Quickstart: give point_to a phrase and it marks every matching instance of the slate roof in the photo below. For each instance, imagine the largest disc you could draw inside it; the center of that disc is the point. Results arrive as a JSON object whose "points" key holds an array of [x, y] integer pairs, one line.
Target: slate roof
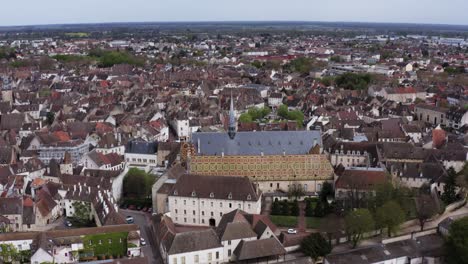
{"points": [[429, 246], [194, 241], [254, 143], [259, 249], [221, 187], [141, 147]]}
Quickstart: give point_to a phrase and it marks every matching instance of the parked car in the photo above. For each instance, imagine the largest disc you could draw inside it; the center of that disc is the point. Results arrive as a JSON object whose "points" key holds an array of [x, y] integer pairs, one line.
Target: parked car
{"points": [[144, 209], [131, 207], [130, 219], [68, 224], [142, 242], [292, 231]]}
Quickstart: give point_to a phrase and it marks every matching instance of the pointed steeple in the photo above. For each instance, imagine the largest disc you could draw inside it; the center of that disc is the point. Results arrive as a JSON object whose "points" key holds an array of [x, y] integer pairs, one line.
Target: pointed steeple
{"points": [[232, 120]]}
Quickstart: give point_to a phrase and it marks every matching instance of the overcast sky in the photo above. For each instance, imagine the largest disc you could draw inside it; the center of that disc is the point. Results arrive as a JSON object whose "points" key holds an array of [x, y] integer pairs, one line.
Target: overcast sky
{"points": [[32, 12]]}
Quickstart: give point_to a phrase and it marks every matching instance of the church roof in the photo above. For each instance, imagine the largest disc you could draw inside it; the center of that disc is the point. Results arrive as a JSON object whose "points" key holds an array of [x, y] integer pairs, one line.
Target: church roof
{"points": [[256, 143]]}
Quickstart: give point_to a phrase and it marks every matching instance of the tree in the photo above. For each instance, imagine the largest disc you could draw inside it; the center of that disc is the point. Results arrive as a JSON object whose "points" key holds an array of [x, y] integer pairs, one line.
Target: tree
{"points": [[295, 191], [276, 208], [315, 246], [331, 225], [353, 81], [285, 209], [319, 210], [456, 244], [82, 211], [295, 208], [245, 118], [357, 223], [9, 252], [425, 209], [309, 210], [390, 216], [50, 117], [283, 111], [326, 191], [137, 184], [449, 196]]}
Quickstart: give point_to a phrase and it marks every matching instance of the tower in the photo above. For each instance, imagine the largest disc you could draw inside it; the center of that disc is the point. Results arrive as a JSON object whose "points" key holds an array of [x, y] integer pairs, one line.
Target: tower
{"points": [[232, 120]]}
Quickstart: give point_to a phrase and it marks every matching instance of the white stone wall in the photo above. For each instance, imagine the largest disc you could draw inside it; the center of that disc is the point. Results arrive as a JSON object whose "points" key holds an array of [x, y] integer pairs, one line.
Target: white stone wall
{"points": [[202, 255], [195, 211]]}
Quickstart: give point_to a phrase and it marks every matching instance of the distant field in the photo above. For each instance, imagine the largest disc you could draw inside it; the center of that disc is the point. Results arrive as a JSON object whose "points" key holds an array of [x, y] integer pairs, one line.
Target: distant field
{"points": [[77, 34]]}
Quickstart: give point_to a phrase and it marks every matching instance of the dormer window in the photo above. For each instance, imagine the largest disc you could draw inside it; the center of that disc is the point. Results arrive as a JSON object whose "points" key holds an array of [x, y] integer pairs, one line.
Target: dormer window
{"points": [[176, 193], [249, 197], [194, 194], [230, 196], [211, 195]]}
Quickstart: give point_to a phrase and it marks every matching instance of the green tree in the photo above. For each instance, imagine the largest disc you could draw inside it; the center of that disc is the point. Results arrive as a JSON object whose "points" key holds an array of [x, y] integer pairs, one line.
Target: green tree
{"points": [[295, 208], [309, 209], [353, 81], [137, 184], [315, 246], [245, 118], [9, 253], [82, 211], [283, 111], [449, 196], [425, 209], [357, 223], [50, 117], [326, 191], [257, 64], [285, 209], [390, 216], [276, 207], [331, 225], [319, 210], [457, 244]]}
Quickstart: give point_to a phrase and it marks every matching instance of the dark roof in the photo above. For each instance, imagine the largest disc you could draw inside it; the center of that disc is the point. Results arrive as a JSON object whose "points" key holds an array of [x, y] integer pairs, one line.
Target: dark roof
{"points": [[429, 246], [259, 249], [216, 187], [254, 143], [360, 179], [11, 206], [194, 241], [141, 147]]}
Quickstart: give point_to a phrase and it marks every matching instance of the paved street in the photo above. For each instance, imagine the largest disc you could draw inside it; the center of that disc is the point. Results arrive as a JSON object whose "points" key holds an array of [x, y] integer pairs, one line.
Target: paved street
{"points": [[143, 221]]}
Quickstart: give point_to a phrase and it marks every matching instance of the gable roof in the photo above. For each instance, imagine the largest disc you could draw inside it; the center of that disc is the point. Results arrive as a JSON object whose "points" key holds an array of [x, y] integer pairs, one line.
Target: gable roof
{"points": [[255, 143], [194, 241], [216, 187]]}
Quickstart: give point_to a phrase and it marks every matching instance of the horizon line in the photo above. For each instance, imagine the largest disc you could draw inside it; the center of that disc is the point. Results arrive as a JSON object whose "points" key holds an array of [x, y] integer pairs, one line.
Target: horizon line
{"points": [[230, 21]]}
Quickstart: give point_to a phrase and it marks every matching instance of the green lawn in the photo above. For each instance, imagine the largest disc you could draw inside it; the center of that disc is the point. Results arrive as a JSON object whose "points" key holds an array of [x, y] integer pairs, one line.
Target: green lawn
{"points": [[284, 221], [313, 222], [114, 244]]}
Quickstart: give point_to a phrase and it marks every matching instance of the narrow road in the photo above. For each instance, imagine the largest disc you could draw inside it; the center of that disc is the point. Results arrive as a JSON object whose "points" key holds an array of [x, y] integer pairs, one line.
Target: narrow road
{"points": [[144, 222]]}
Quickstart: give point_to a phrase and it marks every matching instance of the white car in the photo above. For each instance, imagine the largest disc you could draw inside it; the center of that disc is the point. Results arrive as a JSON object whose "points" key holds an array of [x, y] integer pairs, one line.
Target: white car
{"points": [[142, 242], [292, 231], [130, 219]]}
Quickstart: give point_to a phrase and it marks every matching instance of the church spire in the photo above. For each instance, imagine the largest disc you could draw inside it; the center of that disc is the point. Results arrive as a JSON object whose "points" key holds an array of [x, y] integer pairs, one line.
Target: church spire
{"points": [[232, 120]]}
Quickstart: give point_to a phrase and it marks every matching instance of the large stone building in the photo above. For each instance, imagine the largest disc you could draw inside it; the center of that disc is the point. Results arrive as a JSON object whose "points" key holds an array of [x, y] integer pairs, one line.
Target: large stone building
{"points": [[275, 160], [203, 200]]}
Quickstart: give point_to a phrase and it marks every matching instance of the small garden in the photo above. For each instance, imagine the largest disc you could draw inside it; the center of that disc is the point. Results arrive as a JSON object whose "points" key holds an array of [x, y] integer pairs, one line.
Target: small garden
{"points": [[104, 246]]}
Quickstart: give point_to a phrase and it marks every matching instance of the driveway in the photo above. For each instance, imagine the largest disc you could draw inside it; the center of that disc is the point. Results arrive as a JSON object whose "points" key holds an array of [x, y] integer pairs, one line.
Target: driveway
{"points": [[143, 221]]}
